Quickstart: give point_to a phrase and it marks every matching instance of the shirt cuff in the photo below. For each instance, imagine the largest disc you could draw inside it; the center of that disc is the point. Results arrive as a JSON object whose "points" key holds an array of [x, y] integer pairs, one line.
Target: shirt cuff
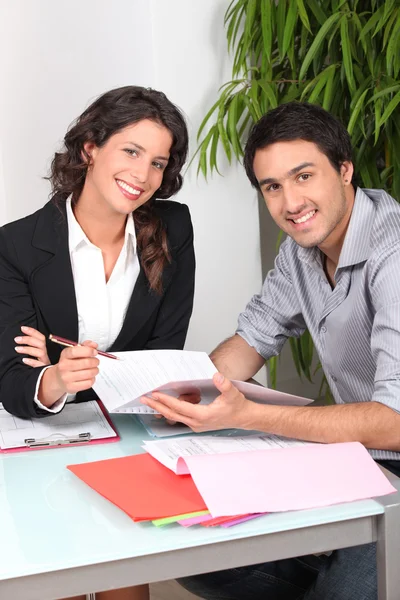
{"points": [[58, 404]]}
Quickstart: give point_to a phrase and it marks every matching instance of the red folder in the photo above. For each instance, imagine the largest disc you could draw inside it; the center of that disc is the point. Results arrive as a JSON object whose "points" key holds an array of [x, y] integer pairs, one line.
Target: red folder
{"points": [[141, 486]]}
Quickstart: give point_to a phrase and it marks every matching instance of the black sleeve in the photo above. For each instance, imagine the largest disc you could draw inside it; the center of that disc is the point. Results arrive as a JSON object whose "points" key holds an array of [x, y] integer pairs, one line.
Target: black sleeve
{"points": [[17, 381], [176, 307]]}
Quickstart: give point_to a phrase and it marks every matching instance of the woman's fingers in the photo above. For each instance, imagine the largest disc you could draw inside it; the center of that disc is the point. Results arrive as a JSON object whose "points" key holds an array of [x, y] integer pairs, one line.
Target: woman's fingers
{"points": [[30, 340], [31, 351], [30, 331], [33, 362], [32, 343]]}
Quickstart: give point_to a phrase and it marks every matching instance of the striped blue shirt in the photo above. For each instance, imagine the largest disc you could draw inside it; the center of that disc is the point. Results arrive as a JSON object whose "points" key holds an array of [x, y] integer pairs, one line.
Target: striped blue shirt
{"points": [[355, 326]]}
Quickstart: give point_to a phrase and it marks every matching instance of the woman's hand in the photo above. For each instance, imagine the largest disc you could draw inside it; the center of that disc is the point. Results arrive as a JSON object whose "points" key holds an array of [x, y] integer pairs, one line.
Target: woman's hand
{"points": [[75, 371], [77, 368], [32, 343]]}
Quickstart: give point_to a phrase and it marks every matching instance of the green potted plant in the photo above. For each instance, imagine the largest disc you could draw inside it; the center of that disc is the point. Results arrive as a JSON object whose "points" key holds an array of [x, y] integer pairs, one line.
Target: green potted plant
{"points": [[341, 54]]}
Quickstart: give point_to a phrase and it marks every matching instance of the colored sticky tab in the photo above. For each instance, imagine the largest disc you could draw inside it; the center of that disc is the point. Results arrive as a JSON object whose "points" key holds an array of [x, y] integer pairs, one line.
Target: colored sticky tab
{"points": [[141, 487], [233, 521], [292, 478], [195, 520], [168, 520]]}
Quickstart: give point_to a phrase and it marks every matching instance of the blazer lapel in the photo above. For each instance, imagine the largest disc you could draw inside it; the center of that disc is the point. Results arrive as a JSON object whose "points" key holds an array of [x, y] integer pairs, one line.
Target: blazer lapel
{"points": [[142, 304], [52, 280]]}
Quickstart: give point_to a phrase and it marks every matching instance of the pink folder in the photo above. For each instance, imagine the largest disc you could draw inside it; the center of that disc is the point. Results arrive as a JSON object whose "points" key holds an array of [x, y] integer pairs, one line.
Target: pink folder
{"points": [[292, 478]]}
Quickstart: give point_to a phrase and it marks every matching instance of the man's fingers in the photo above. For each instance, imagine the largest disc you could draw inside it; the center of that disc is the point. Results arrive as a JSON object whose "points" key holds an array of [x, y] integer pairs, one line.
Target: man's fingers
{"points": [[224, 385], [171, 408], [192, 398]]}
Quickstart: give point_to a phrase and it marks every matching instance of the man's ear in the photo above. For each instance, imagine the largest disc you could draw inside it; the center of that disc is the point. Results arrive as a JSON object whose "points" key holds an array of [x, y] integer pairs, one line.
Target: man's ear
{"points": [[346, 172]]}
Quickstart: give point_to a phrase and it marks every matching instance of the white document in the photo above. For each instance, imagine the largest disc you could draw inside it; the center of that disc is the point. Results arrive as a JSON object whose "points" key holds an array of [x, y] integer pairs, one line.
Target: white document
{"points": [[74, 420], [168, 452], [121, 383]]}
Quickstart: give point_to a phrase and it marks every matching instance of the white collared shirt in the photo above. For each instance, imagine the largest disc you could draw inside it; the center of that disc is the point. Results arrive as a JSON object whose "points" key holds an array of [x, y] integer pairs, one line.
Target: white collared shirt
{"points": [[101, 304]]}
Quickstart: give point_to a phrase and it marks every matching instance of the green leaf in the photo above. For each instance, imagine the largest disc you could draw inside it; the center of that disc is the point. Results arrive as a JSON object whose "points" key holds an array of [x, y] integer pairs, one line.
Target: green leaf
{"points": [[371, 23], [385, 92], [280, 24], [206, 118], [222, 133], [273, 371], [233, 113], [303, 14], [269, 92], [318, 12], [389, 26], [291, 18], [322, 81], [389, 109], [266, 27], [214, 150], [347, 57], [393, 48], [295, 356], [319, 39], [329, 89], [203, 154], [253, 95], [356, 111]]}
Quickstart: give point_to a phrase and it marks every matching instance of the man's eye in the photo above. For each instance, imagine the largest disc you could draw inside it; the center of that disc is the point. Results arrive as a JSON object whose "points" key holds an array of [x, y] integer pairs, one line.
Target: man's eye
{"points": [[304, 176], [273, 187]]}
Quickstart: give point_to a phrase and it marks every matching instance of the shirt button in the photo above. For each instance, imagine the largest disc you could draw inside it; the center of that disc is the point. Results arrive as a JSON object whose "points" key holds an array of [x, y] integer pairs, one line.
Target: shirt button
{"points": [[333, 378], [323, 329]]}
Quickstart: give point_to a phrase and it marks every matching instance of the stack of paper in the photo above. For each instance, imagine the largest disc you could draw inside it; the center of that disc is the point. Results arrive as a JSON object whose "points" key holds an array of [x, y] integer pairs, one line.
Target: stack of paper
{"points": [[225, 481], [121, 383]]}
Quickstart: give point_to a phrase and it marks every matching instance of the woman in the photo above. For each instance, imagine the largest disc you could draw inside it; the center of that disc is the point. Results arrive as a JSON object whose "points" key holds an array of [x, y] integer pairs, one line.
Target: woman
{"points": [[108, 261]]}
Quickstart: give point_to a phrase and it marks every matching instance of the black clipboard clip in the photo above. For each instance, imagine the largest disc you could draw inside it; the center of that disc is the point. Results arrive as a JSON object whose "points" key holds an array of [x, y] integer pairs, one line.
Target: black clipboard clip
{"points": [[57, 439]]}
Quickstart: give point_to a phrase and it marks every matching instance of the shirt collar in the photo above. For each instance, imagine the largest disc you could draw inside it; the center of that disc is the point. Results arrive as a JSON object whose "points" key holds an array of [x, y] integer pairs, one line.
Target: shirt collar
{"points": [[356, 248], [76, 235]]}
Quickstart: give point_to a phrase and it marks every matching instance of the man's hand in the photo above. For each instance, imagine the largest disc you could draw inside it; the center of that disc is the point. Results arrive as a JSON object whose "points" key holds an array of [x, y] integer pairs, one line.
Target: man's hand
{"points": [[229, 410]]}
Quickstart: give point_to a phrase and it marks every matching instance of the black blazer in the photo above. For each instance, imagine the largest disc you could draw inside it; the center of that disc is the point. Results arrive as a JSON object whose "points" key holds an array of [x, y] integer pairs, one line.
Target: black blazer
{"points": [[37, 290]]}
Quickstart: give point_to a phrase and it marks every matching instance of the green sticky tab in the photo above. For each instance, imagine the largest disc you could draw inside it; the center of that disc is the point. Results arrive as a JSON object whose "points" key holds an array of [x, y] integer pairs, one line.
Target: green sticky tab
{"points": [[167, 520]]}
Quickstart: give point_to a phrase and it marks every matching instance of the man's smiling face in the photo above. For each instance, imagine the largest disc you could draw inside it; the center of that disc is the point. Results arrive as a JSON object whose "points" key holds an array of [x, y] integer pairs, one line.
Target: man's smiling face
{"points": [[304, 193]]}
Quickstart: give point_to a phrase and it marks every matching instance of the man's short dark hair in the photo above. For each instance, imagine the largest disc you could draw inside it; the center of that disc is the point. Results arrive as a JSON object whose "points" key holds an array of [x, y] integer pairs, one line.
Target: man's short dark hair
{"points": [[299, 121]]}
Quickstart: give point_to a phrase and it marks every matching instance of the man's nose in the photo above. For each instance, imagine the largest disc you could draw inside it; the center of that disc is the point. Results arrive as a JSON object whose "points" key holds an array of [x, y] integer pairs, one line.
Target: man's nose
{"points": [[294, 203]]}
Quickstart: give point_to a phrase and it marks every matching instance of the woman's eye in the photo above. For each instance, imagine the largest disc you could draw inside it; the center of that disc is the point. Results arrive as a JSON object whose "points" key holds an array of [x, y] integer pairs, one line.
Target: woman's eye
{"points": [[131, 151], [158, 165]]}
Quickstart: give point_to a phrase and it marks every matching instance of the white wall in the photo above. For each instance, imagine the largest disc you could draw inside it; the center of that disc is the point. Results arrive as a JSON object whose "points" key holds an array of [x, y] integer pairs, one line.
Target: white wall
{"points": [[55, 58], [190, 65]]}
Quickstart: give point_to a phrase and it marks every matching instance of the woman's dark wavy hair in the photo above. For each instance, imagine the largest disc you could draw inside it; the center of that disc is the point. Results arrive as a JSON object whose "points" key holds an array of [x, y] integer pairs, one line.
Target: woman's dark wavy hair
{"points": [[107, 115], [299, 121]]}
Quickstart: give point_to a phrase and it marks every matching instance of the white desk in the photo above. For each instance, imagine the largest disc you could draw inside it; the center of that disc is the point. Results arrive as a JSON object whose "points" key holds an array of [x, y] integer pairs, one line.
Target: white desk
{"points": [[59, 538]]}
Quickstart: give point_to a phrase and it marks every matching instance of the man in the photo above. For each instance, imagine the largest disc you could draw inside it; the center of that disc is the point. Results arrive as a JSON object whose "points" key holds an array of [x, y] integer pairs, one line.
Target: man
{"points": [[337, 275]]}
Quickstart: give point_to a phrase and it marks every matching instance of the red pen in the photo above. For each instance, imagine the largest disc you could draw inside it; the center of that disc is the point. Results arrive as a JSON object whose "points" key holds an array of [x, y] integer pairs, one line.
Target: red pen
{"points": [[63, 342]]}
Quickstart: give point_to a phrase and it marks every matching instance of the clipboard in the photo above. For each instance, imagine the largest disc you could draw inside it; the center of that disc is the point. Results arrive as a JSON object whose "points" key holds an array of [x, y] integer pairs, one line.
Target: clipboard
{"points": [[79, 434]]}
